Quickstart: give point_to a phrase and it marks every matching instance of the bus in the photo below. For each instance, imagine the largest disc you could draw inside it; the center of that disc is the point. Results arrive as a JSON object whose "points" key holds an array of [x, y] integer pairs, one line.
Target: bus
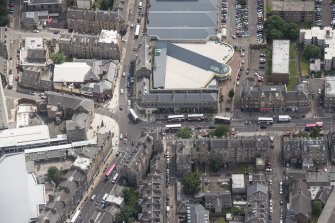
{"points": [[137, 31], [195, 117], [265, 120], [310, 126], [115, 178], [176, 118], [110, 171], [75, 218], [133, 115], [172, 128], [222, 119]]}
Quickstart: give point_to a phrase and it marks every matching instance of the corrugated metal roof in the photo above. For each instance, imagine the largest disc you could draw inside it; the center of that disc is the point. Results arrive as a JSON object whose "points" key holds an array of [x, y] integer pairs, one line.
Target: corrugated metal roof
{"points": [[182, 20]]}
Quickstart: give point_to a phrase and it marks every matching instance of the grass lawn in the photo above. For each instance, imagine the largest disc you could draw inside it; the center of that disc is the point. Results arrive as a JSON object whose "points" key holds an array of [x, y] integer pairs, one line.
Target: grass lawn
{"points": [[96, 4], [242, 167], [304, 66], [220, 220], [292, 83]]}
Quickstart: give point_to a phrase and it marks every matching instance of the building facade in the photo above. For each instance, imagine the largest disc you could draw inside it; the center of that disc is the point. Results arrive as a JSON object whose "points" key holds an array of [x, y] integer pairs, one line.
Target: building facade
{"points": [[106, 45], [329, 94], [274, 98], [295, 11], [87, 21], [323, 38], [280, 61], [54, 6], [228, 151], [135, 169], [305, 152]]}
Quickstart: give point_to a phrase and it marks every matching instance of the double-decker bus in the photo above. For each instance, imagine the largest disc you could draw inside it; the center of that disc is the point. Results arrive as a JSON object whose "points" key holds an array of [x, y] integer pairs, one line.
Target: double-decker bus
{"points": [[310, 126], [195, 117], [133, 115], [171, 128], [176, 118], [110, 171], [266, 120], [222, 119]]}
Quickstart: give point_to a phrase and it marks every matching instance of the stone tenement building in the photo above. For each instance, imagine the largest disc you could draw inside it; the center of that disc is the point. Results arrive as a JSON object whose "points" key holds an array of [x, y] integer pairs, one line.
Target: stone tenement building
{"points": [[92, 22], [227, 151]]}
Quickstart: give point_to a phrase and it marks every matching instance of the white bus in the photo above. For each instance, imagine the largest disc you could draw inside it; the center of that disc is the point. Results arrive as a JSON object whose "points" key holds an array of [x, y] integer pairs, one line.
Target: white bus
{"points": [[195, 117], [265, 120], [176, 118], [222, 119], [115, 178], [174, 127], [75, 217], [137, 31], [284, 118], [133, 115]]}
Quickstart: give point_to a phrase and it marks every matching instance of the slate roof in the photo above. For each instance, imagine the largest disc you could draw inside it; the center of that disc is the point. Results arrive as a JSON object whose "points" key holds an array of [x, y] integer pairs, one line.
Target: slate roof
{"points": [[31, 75], [180, 97], [182, 20], [300, 199], [30, 17], [36, 54], [257, 187], [70, 102]]}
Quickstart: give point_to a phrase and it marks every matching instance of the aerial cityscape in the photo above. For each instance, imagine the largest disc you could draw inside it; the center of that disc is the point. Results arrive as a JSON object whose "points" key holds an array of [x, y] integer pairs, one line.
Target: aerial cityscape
{"points": [[160, 111]]}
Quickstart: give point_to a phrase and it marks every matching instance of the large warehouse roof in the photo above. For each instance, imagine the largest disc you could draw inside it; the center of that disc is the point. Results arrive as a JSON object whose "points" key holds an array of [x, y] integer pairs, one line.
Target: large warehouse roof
{"points": [[75, 72], [182, 20], [280, 56]]}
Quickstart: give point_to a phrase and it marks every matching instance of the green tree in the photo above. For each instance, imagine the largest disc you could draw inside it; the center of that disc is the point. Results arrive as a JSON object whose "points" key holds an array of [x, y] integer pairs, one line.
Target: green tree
{"points": [[316, 208], [221, 130], [274, 34], [231, 93], [106, 4], [54, 174], [312, 51], [215, 165], [184, 133], [303, 134], [58, 58], [315, 132], [191, 183], [274, 22], [242, 2], [4, 19], [292, 31], [221, 98]]}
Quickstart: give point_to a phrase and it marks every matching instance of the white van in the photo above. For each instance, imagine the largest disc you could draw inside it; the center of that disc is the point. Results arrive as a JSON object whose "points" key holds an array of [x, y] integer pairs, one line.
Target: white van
{"points": [[121, 91], [93, 197], [140, 5]]}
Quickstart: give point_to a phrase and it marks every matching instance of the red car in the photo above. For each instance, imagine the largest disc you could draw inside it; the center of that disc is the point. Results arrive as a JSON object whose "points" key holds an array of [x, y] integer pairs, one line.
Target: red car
{"points": [[17, 78], [238, 78], [17, 66], [126, 135]]}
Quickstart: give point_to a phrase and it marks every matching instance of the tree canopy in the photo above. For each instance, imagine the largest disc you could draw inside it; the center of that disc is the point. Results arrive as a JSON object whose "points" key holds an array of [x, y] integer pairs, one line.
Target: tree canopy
{"points": [[215, 165], [4, 19], [191, 183], [54, 174], [58, 58], [315, 132], [184, 133], [312, 51], [221, 130], [277, 28], [231, 93], [106, 4], [316, 208], [130, 210]]}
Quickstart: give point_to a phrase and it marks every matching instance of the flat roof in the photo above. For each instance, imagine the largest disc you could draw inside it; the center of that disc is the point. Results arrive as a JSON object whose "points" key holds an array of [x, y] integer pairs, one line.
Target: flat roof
{"points": [[34, 43], [23, 136], [189, 66], [280, 56], [71, 72], [330, 86], [182, 20], [237, 181], [14, 198], [293, 6]]}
